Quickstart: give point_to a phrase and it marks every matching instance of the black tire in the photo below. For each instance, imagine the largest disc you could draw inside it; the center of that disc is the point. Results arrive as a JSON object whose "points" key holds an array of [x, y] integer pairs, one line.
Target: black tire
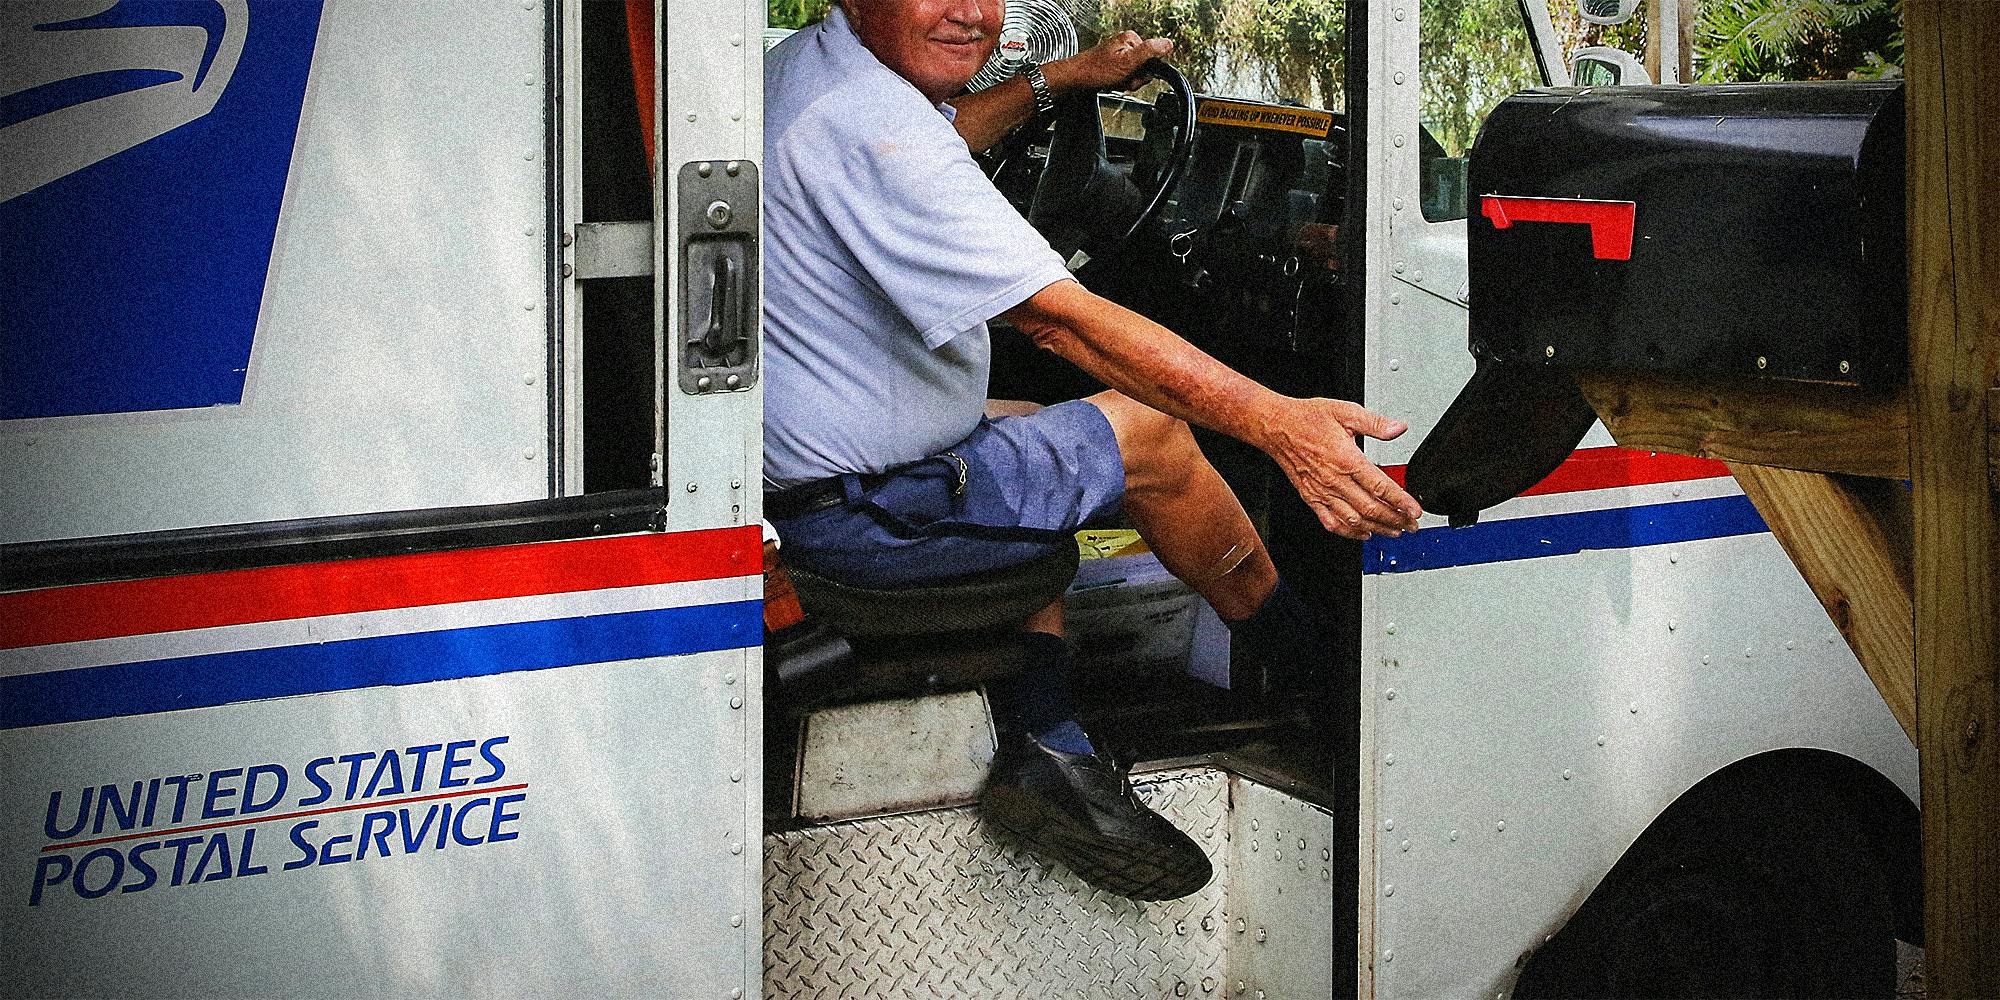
{"points": [[1754, 890]]}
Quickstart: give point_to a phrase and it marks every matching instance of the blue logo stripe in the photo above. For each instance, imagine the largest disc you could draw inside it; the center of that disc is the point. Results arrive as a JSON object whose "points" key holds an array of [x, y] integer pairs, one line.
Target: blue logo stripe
{"points": [[248, 675], [1563, 534]]}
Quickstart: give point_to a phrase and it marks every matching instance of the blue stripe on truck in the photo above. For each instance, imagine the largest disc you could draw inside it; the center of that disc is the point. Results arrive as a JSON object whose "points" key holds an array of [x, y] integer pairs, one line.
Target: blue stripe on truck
{"points": [[414, 658], [1563, 534]]}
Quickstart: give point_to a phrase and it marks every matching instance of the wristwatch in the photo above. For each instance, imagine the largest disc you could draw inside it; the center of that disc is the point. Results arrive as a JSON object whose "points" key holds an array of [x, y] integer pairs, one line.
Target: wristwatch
{"points": [[1045, 99]]}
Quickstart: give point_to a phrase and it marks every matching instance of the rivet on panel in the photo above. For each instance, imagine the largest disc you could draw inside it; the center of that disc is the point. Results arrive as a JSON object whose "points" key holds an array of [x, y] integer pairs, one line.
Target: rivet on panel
{"points": [[1567, 774], [1389, 760], [528, 379], [1256, 825], [735, 703], [736, 776], [1262, 934], [1395, 364], [1395, 298], [1390, 694], [1400, 77], [1302, 844], [1672, 625], [694, 487], [1600, 739], [1843, 367], [736, 484], [528, 454], [733, 167], [733, 381], [1389, 890], [1399, 13], [1762, 363], [691, 116], [1399, 204], [1399, 267], [704, 169], [1452, 836], [1389, 825], [1549, 351], [1388, 954], [736, 39], [736, 848], [729, 678], [736, 116], [1418, 276], [1391, 629], [1404, 846], [736, 994], [1399, 142], [528, 156], [1501, 826], [736, 920]]}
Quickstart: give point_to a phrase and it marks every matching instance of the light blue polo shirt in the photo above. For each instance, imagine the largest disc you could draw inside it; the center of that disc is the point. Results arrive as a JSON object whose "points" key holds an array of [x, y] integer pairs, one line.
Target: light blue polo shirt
{"points": [[886, 250]]}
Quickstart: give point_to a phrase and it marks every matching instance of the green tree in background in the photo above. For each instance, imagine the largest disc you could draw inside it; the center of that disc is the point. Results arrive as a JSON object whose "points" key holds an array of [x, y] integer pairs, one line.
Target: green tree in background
{"points": [[1472, 55], [796, 13], [1742, 40]]}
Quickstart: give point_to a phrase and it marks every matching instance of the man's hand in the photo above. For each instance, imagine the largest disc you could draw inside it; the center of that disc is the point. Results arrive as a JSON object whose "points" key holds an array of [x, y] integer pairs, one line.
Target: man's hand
{"points": [[1313, 441], [1112, 64]]}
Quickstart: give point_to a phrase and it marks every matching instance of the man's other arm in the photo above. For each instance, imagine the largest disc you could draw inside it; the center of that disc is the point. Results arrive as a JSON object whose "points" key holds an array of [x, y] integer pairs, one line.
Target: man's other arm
{"points": [[986, 117], [1311, 439]]}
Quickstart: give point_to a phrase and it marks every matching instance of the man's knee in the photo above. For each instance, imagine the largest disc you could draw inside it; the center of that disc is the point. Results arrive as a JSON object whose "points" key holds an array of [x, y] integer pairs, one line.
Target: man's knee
{"points": [[1152, 444]]}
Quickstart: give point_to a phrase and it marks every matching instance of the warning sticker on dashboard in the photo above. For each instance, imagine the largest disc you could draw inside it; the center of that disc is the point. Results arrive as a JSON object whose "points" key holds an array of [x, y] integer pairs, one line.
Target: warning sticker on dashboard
{"points": [[1304, 121]]}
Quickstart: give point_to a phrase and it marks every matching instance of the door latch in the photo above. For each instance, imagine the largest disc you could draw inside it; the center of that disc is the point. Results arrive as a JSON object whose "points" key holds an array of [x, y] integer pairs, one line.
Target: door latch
{"points": [[719, 272]]}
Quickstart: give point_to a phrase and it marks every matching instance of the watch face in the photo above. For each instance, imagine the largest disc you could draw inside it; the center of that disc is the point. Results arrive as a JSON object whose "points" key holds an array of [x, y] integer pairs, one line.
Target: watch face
{"points": [[1013, 49]]}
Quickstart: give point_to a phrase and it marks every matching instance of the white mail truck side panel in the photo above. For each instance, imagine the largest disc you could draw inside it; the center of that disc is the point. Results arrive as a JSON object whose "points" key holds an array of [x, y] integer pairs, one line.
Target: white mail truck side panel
{"points": [[326, 294], [1540, 687], [565, 853]]}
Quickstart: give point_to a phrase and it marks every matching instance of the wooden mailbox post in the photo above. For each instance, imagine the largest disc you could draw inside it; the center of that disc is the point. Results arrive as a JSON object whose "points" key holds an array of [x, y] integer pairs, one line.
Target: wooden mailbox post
{"points": [[1907, 574]]}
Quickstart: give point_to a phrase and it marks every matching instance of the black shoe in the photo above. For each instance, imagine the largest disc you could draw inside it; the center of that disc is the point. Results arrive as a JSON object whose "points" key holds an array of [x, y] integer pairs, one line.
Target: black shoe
{"points": [[1080, 809]]}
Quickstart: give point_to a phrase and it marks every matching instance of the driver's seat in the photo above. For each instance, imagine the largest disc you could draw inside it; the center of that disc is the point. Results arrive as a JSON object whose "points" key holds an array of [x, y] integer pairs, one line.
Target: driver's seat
{"points": [[865, 643]]}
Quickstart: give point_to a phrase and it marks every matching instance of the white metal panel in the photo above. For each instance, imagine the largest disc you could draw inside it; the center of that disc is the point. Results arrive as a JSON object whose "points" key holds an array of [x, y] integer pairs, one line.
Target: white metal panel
{"points": [[634, 872], [1528, 736], [401, 349], [712, 101], [1484, 684]]}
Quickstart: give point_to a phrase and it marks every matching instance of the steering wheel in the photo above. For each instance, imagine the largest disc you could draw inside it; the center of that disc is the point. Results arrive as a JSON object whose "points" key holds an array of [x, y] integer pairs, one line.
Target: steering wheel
{"points": [[1081, 201]]}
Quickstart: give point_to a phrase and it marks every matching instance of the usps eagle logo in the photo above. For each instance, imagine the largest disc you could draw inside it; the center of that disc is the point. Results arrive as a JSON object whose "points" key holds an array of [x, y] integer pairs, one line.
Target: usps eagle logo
{"points": [[88, 79]]}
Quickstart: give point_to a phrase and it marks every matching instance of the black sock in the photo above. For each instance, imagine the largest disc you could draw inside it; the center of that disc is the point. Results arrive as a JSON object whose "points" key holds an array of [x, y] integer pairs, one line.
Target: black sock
{"points": [[1279, 641], [1038, 700]]}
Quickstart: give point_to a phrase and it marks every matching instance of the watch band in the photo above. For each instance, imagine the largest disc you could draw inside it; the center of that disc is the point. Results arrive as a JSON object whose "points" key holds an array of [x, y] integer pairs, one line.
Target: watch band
{"points": [[1045, 99]]}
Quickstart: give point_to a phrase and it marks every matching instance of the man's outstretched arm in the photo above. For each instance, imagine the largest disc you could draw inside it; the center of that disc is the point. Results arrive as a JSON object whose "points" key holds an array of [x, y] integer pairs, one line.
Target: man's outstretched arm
{"points": [[1311, 439], [986, 117]]}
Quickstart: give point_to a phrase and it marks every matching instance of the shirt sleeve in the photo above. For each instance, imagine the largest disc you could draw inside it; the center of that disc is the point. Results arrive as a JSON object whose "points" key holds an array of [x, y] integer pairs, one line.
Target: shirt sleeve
{"points": [[910, 204]]}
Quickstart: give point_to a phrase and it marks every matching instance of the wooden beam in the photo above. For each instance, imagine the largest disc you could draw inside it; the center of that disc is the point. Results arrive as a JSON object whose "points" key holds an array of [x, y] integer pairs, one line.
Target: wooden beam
{"points": [[1850, 539], [1791, 425], [1953, 65]]}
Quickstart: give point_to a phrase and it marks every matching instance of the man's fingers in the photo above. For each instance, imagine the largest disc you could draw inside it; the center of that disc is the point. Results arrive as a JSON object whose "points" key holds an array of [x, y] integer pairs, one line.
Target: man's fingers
{"points": [[1379, 485], [1336, 516], [1158, 47]]}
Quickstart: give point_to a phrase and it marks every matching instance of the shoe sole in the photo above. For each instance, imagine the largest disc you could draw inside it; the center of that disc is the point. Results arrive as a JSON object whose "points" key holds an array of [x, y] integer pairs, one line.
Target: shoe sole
{"points": [[1141, 871]]}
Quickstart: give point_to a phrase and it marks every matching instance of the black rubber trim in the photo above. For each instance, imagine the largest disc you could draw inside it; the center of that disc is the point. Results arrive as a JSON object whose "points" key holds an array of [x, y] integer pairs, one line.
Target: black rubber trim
{"points": [[33, 565]]}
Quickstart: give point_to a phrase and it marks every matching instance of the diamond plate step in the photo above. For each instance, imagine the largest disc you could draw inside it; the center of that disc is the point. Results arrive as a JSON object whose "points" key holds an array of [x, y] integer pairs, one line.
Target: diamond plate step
{"points": [[928, 905]]}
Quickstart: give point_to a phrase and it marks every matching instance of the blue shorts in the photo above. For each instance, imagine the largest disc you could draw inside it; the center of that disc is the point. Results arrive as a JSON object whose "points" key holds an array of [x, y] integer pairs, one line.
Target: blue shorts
{"points": [[1029, 483]]}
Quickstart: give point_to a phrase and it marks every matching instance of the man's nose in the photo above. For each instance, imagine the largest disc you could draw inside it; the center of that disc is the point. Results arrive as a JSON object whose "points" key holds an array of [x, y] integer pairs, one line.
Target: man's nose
{"points": [[971, 12]]}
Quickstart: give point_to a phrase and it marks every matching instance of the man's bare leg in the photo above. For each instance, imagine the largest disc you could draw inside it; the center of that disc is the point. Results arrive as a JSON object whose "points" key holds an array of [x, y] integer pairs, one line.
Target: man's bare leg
{"points": [[1185, 511]]}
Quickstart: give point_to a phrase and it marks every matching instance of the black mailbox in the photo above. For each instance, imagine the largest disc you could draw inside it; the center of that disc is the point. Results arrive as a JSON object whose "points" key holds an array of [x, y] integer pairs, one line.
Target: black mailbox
{"points": [[1751, 229]]}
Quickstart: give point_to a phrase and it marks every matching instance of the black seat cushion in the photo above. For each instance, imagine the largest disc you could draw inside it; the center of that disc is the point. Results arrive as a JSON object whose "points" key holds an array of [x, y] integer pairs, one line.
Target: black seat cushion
{"points": [[996, 599]]}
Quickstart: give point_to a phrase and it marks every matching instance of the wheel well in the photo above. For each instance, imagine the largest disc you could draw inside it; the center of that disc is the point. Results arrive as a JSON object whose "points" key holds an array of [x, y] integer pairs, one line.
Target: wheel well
{"points": [[1884, 812], [1786, 808]]}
